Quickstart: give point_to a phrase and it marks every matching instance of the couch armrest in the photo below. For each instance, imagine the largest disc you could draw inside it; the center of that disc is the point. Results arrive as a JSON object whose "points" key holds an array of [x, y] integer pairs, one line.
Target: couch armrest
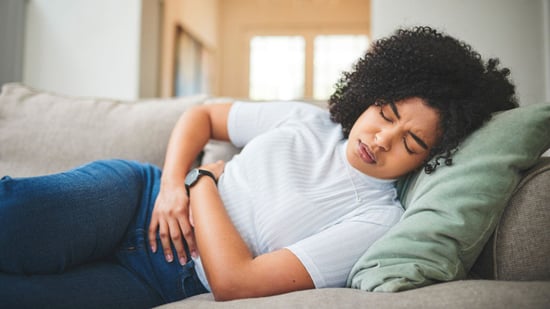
{"points": [[519, 247]]}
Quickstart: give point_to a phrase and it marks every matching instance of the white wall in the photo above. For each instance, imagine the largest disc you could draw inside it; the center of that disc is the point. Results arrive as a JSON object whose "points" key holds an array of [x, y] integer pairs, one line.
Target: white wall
{"points": [[514, 31], [83, 47]]}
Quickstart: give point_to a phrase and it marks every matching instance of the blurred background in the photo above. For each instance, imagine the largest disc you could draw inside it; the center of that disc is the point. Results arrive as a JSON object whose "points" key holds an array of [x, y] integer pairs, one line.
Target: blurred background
{"points": [[258, 49]]}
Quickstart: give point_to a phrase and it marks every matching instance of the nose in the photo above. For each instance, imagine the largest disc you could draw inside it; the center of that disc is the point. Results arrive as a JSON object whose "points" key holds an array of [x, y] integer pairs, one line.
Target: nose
{"points": [[384, 139]]}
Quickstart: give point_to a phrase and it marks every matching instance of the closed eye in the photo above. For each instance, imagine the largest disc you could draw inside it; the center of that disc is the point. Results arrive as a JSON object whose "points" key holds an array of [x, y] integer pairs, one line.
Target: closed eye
{"points": [[384, 115], [386, 118], [407, 146]]}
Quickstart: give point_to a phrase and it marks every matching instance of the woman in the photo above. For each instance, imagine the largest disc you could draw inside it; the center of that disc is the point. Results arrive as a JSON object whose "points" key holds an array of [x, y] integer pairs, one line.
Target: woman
{"points": [[309, 193]]}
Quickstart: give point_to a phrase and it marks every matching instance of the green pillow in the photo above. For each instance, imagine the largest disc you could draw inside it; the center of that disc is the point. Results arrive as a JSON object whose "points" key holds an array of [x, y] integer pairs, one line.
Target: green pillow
{"points": [[451, 213]]}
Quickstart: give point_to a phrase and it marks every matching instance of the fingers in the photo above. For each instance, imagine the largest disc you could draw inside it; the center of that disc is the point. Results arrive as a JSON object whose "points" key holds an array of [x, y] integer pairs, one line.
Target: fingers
{"points": [[171, 234], [164, 234], [153, 227], [191, 221], [176, 239], [172, 231], [189, 235]]}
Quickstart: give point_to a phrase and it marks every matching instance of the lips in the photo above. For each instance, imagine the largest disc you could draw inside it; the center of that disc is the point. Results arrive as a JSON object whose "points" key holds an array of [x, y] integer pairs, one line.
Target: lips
{"points": [[365, 153]]}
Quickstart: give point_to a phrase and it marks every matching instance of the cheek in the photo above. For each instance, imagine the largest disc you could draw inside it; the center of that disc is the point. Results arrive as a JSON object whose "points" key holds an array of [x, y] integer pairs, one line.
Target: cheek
{"points": [[419, 161], [411, 162], [367, 122]]}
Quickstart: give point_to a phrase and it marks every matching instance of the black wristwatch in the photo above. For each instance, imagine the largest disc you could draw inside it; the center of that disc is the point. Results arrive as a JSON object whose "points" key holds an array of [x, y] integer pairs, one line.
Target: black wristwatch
{"points": [[194, 175]]}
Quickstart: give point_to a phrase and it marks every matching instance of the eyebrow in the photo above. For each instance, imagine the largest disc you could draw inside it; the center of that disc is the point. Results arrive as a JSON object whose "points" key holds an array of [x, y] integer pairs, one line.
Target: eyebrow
{"points": [[419, 141], [414, 136], [394, 109]]}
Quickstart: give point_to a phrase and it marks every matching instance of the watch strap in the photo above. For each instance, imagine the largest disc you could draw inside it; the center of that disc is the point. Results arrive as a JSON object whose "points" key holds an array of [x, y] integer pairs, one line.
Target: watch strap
{"points": [[194, 175], [207, 173]]}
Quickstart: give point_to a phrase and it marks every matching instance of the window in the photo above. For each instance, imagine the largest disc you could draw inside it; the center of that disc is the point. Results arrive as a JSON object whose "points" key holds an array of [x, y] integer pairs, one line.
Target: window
{"points": [[284, 68], [277, 67]]}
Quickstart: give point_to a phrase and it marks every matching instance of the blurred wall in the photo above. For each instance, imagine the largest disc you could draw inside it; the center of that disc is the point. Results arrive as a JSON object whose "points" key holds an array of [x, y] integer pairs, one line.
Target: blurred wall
{"points": [[92, 48], [515, 31], [112, 48]]}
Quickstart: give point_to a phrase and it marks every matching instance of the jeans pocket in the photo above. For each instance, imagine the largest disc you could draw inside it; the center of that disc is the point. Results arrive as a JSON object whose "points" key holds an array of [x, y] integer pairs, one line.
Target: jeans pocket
{"points": [[189, 282], [134, 240]]}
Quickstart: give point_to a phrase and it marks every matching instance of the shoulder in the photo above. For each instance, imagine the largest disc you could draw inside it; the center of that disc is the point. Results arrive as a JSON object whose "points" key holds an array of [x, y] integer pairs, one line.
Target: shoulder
{"points": [[282, 113], [283, 107]]}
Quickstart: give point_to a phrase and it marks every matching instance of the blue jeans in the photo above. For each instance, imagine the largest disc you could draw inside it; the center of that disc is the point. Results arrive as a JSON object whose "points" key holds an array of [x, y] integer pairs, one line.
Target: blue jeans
{"points": [[78, 239]]}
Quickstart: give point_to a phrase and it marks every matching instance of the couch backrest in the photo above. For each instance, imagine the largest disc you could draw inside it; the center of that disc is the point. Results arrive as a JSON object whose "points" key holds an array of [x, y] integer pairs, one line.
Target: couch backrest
{"points": [[43, 132]]}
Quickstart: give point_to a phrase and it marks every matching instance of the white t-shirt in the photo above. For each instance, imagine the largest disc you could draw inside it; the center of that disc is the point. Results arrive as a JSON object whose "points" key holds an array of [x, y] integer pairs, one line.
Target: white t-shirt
{"points": [[292, 187]]}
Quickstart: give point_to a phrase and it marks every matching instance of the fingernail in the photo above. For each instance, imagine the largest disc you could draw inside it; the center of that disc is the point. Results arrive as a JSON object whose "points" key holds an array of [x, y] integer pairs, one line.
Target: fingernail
{"points": [[153, 249], [182, 261], [194, 254], [169, 258]]}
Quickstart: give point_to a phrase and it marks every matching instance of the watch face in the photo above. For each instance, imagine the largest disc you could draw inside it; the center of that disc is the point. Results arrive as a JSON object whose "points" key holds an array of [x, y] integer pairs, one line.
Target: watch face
{"points": [[192, 177]]}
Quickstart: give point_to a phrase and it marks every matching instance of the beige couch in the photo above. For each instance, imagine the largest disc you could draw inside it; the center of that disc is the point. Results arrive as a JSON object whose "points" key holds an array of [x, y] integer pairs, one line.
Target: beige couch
{"points": [[42, 132]]}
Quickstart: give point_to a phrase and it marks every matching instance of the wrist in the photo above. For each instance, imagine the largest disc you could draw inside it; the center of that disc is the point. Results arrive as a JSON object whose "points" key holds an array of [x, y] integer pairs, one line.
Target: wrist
{"points": [[171, 181], [172, 186], [202, 193], [196, 175], [204, 183]]}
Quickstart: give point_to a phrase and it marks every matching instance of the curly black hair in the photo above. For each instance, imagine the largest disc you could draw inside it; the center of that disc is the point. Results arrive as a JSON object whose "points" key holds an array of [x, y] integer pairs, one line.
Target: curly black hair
{"points": [[443, 71]]}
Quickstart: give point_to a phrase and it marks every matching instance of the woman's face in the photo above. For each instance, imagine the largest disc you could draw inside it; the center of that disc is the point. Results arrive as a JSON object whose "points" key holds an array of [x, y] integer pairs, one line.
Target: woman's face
{"points": [[391, 140]]}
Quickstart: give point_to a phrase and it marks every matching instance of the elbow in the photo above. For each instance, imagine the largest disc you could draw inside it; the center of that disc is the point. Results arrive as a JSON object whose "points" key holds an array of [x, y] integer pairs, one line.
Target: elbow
{"points": [[230, 290], [230, 282], [225, 292], [222, 298]]}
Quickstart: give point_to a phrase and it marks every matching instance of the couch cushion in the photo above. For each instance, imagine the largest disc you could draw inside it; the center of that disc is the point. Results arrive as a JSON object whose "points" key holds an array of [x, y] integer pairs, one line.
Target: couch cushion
{"points": [[459, 294], [43, 132], [451, 214]]}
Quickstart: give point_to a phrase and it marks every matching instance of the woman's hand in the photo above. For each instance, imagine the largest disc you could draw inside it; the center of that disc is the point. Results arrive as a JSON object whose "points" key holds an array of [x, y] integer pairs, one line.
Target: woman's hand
{"points": [[171, 219]]}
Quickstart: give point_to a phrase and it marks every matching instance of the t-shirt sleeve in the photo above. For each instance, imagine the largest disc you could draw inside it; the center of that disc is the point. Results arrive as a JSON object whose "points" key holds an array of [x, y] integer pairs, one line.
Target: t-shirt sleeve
{"points": [[247, 120], [329, 255]]}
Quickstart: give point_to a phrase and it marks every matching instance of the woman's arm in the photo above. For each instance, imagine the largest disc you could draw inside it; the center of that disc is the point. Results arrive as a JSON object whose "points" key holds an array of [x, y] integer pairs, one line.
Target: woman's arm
{"points": [[231, 269], [171, 213]]}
